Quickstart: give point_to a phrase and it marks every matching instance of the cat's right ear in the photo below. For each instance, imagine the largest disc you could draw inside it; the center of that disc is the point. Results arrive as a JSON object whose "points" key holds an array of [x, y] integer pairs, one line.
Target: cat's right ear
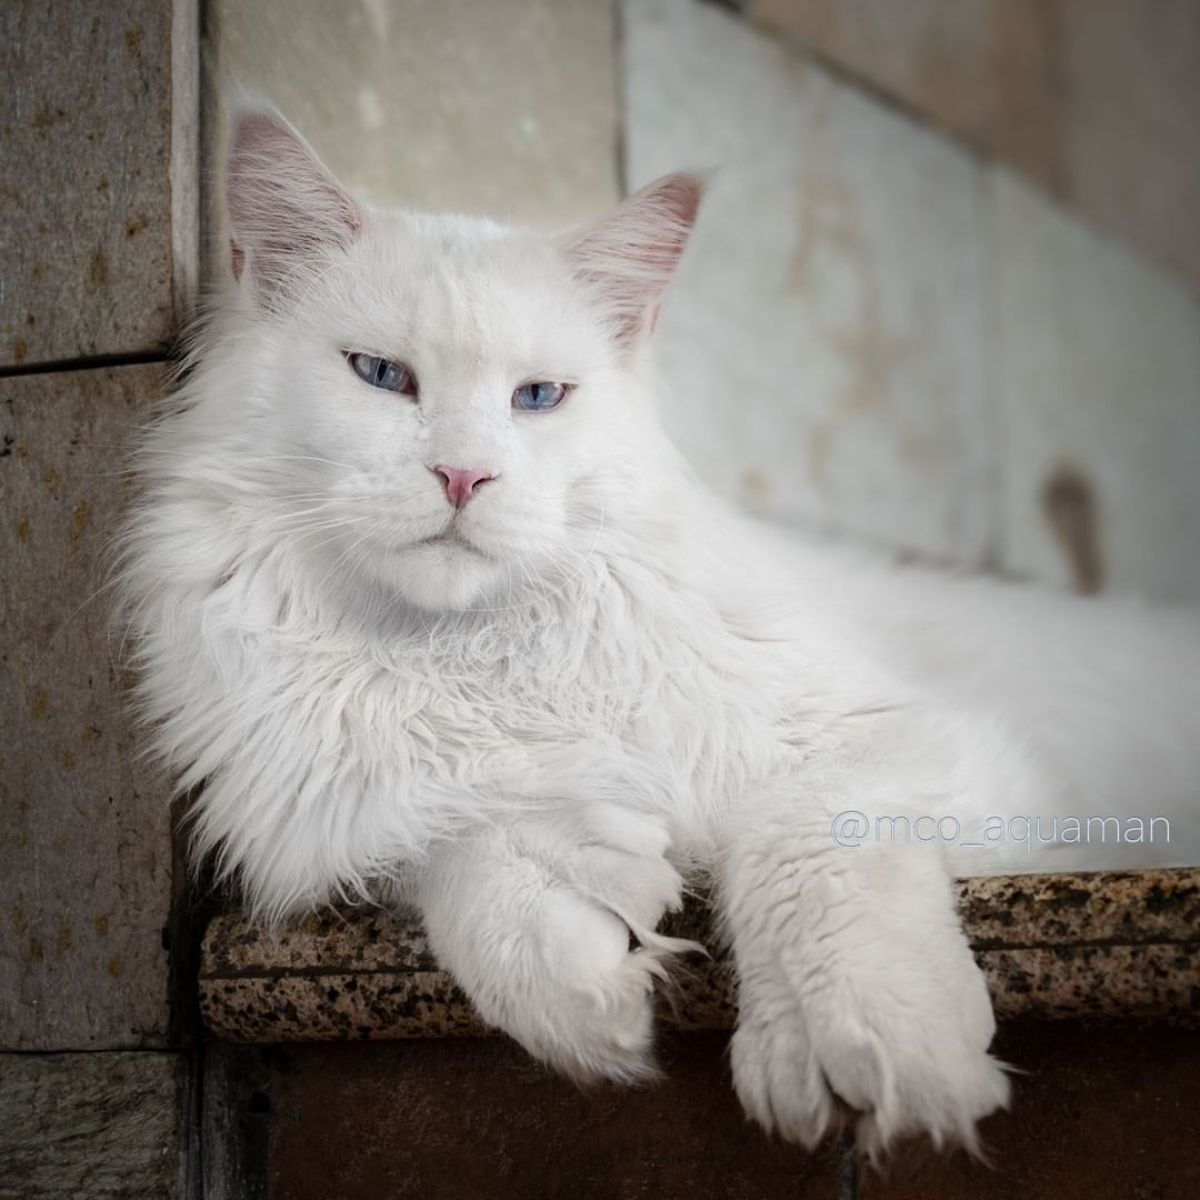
{"points": [[285, 207], [626, 259]]}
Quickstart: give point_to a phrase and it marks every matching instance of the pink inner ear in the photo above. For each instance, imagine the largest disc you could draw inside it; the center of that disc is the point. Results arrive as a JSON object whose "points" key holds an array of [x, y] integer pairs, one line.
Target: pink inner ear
{"points": [[284, 205], [679, 196], [627, 259]]}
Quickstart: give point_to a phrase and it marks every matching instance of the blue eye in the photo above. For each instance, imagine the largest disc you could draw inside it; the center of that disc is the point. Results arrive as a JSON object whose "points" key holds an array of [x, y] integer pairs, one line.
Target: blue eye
{"points": [[384, 373], [538, 397]]}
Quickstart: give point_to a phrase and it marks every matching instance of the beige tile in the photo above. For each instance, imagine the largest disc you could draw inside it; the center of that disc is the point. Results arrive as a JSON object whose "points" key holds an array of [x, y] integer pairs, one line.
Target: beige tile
{"points": [[931, 54], [1094, 100], [85, 860], [824, 341], [1130, 104], [92, 1126], [985, 70], [500, 107], [1099, 382], [1024, 126], [85, 197]]}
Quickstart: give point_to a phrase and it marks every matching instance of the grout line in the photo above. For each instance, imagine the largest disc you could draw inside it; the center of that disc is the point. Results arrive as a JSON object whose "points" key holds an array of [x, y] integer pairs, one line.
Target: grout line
{"points": [[334, 970], [848, 1165], [193, 903], [95, 1051], [184, 162], [620, 100], [97, 362], [339, 970], [193, 1128]]}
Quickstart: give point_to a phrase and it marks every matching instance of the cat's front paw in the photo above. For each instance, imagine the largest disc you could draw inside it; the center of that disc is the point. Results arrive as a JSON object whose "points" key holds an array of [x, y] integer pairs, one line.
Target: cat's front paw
{"points": [[587, 1004], [590, 1014], [897, 1033], [549, 928]]}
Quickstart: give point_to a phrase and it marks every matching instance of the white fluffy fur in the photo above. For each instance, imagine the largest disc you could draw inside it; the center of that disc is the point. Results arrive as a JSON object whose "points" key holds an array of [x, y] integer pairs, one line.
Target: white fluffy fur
{"points": [[534, 735]]}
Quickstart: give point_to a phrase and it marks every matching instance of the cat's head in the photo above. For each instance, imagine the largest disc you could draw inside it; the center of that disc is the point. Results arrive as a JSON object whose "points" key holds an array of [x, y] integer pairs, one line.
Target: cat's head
{"points": [[443, 406]]}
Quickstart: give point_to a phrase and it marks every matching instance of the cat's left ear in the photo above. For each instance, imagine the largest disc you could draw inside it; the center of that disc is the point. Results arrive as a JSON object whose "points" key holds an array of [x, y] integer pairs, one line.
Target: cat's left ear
{"points": [[285, 207], [627, 259]]}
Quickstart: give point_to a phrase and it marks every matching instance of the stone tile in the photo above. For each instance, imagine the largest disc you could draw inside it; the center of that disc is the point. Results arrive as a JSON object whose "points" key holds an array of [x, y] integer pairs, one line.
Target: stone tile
{"points": [[932, 54], [478, 1119], [92, 1126], [984, 70], [1028, 93], [500, 107], [85, 194], [1097, 1112], [1098, 390], [85, 861], [824, 340], [1130, 95], [1091, 99], [234, 1122]]}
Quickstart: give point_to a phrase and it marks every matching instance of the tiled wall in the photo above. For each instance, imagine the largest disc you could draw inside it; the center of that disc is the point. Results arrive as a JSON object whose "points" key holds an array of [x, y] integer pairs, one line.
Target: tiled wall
{"points": [[880, 332], [97, 259], [825, 344], [1092, 100], [1095, 355]]}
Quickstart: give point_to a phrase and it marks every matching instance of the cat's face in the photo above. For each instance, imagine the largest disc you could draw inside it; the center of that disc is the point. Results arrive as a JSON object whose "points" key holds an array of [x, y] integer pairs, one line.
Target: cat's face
{"points": [[459, 403]]}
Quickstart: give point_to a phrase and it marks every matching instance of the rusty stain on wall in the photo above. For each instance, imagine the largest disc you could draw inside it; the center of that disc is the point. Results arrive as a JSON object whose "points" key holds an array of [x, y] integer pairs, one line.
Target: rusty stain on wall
{"points": [[39, 704], [758, 487], [81, 519], [1069, 503], [870, 352], [98, 271], [817, 449]]}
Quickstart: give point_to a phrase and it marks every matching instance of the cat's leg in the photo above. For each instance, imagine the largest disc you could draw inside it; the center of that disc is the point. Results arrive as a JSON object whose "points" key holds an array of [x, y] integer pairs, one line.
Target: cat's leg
{"points": [[534, 919], [856, 980]]}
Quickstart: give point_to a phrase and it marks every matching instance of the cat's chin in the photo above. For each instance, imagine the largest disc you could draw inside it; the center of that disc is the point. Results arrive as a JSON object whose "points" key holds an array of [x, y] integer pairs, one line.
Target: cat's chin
{"points": [[441, 577]]}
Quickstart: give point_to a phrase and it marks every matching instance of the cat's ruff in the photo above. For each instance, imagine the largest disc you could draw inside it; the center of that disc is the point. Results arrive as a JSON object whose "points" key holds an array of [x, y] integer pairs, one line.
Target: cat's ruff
{"points": [[533, 711]]}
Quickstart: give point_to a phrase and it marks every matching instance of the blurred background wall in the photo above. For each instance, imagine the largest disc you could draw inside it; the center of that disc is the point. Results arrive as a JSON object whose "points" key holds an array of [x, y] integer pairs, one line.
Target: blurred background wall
{"points": [[943, 295]]}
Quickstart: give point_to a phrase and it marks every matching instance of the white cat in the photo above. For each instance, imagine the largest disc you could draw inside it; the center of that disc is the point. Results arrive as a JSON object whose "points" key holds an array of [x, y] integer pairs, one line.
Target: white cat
{"points": [[424, 597]]}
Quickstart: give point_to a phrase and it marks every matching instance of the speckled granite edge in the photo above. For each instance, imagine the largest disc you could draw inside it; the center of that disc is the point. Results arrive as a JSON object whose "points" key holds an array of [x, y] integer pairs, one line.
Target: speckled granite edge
{"points": [[1108, 944], [1117, 907]]}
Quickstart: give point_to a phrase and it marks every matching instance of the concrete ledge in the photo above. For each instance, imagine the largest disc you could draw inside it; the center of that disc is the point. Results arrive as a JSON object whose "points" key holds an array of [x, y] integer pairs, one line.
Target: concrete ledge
{"points": [[1115, 945]]}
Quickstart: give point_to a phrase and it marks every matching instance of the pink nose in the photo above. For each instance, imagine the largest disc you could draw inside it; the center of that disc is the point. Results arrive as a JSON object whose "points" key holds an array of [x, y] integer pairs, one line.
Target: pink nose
{"points": [[460, 482]]}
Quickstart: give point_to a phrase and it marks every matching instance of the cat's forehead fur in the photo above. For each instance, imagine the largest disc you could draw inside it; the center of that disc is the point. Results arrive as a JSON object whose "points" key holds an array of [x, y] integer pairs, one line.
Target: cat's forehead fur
{"points": [[294, 222], [457, 290]]}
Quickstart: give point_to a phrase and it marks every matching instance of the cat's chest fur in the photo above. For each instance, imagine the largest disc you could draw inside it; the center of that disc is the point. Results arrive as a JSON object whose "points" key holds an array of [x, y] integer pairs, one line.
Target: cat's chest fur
{"points": [[333, 750], [651, 674]]}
